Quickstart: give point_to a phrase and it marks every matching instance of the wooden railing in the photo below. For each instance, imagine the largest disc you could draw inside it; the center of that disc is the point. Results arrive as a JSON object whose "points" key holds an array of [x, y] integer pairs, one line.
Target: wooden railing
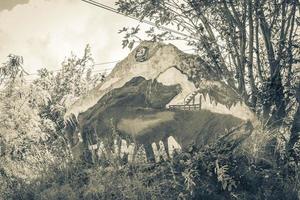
{"points": [[185, 107], [189, 103]]}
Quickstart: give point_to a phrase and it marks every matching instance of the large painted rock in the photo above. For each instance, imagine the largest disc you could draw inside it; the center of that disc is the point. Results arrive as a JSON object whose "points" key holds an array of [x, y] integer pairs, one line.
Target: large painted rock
{"points": [[132, 122], [151, 107]]}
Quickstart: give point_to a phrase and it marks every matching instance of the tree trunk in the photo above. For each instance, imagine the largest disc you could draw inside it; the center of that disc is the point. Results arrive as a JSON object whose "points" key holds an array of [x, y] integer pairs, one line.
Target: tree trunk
{"points": [[275, 86], [250, 63], [278, 98], [258, 61], [295, 130]]}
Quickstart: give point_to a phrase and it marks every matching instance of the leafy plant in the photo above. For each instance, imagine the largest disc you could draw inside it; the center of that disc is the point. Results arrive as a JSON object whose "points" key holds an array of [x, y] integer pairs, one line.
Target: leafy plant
{"points": [[227, 182]]}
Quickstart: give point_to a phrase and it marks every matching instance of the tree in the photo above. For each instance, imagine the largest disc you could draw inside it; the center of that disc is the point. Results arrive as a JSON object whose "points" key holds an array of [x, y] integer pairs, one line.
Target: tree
{"points": [[17, 116], [31, 115], [63, 88], [252, 44], [20, 125]]}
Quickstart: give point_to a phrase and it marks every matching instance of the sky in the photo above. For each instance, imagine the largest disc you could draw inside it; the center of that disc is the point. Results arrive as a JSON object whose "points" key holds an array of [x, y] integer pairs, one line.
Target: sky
{"points": [[44, 32]]}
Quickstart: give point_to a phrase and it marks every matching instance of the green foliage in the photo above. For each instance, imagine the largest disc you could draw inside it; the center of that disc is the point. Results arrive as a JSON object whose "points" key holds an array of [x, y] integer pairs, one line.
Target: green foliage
{"points": [[12, 69], [227, 182], [20, 130], [63, 88], [214, 172], [31, 115]]}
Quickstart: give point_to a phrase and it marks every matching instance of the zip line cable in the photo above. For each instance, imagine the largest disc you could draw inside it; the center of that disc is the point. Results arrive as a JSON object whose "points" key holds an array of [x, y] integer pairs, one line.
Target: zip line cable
{"points": [[108, 8], [96, 64], [97, 70], [94, 70], [104, 63]]}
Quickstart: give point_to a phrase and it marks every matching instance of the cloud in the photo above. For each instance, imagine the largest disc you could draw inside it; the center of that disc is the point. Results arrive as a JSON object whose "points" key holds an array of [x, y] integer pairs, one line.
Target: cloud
{"points": [[10, 4], [45, 32]]}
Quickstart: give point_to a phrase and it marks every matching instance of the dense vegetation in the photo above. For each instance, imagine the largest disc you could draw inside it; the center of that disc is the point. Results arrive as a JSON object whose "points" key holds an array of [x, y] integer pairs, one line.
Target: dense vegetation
{"points": [[214, 172], [31, 119]]}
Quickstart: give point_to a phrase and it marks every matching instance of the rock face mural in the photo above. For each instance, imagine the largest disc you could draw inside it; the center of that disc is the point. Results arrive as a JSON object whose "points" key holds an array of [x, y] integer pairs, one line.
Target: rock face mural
{"points": [[148, 109]]}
